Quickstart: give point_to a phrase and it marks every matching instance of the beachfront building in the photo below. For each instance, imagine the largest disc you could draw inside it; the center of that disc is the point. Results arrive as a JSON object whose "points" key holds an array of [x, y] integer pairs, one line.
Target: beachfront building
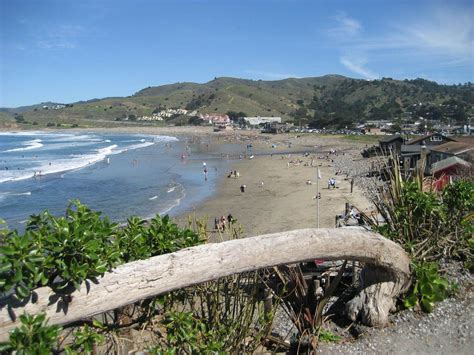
{"points": [[153, 117], [163, 114], [215, 120], [255, 121], [462, 150], [418, 149], [391, 144]]}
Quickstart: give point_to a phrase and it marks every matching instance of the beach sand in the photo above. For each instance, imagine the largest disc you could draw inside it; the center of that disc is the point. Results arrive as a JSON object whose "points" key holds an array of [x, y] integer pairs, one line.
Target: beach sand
{"points": [[285, 201]]}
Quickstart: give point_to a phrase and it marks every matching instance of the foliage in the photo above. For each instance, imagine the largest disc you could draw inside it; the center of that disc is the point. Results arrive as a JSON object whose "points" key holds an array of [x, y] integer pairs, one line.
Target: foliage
{"points": [[85, 340], [234, 116], [21, 265], [429, 225], [33, 336], [299, 302], [327, 336], [227, 316], [429, 287], [226, 313], [76, 247], [188, 334], [63, 252], [140, 241]]}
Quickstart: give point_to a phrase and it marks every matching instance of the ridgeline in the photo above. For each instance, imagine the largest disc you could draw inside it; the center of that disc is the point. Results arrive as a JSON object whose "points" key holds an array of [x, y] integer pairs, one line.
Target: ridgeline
{"points": [[330, 100]]}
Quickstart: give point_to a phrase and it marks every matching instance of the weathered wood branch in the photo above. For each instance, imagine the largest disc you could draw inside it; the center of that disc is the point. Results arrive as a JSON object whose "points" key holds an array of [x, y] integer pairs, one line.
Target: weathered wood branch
{"points": [[146, 278]]}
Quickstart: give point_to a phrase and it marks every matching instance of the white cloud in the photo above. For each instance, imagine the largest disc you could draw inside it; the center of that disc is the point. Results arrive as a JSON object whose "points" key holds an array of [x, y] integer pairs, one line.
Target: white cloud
{"points": [[440, 38], [358, 66], [55, 44], [61, 37], [447, 33], [344, 26]]}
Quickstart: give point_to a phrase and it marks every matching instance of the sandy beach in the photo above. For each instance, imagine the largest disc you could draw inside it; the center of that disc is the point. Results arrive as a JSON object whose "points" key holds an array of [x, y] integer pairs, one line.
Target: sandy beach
{"points": [[280, 179], [281, 183]]}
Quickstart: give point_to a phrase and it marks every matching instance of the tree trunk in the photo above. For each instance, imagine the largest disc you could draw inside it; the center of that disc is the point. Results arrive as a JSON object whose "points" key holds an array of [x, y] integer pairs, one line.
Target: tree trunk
{"points": [[377, 294], [143, 279]]}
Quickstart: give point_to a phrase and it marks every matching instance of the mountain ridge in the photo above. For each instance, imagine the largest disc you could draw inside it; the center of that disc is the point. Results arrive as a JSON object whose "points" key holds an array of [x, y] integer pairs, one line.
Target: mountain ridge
{"points": [[325, 98]]}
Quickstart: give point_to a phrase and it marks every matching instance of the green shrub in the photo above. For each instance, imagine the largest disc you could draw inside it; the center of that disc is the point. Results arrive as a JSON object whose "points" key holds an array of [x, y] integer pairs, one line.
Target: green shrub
{"points": [[21, 265], [63, 252], [33, 336], [85, 340], [429, 287], [428, 224], [141, 240], [187, 334], [76, 247]]}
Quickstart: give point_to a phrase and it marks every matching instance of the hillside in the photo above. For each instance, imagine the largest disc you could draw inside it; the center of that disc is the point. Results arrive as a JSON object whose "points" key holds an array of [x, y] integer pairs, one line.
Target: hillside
{"points": [[330, 100]]}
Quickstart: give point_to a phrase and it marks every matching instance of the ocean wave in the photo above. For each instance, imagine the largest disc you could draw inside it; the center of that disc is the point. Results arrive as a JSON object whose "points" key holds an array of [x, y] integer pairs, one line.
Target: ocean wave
{"points": [[165, 139], [136, 146], [176, 202], [4, 195], [29, 145], [153, 198], [76, 162]]}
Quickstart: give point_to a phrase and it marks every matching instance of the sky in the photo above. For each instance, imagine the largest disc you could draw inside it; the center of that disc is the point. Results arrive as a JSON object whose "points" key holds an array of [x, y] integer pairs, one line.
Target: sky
{"points": [[70, 50]]}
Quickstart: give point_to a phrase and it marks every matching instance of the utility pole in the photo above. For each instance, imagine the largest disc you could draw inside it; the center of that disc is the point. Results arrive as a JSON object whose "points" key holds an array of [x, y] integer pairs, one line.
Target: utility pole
{"points": [[318, 196]]}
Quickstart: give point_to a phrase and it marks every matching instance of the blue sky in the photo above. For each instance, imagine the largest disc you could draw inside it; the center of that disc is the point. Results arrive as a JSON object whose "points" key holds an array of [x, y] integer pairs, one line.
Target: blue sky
{"points": [[70, 50]]}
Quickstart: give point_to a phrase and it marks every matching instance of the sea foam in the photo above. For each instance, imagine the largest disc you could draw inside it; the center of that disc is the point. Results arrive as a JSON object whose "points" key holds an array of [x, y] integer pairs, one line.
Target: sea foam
{"points": [[29, 145]]}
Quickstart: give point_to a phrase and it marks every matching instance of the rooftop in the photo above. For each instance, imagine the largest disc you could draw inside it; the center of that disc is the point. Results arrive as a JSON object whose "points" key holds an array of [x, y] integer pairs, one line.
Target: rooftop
{"points": [[388, 139], [448, 163], [454, 148]]}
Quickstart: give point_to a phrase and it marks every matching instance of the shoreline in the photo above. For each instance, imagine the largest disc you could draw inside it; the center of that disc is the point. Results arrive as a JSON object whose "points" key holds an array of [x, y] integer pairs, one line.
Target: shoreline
{"points": [[285, 200], [278, 195]]}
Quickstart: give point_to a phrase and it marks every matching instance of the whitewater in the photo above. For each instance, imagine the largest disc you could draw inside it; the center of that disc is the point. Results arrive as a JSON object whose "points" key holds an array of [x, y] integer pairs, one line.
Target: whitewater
{"points": [[119, 174]]}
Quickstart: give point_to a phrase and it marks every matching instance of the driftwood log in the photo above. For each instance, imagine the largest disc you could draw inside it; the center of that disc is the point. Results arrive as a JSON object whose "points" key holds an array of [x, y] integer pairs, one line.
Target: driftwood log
{"points": [[139, 280]]}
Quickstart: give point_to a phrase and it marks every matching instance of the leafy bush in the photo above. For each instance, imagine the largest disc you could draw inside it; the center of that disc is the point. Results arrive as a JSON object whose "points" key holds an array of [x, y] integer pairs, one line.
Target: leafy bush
{"points": [[63, 252], [189, 335], [429, 287], [33, 336], [139, 240], [429, 225], [85, 340], [76, 247], [21, 265]]}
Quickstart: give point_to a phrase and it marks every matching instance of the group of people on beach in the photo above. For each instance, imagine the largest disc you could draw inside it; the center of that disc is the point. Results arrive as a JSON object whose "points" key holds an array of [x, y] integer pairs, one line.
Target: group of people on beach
{"points": [[221, 223], [233, 173]]}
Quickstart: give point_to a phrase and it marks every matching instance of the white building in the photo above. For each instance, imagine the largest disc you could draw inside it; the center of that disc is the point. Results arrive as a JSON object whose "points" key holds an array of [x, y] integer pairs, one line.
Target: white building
{"points": [[255, 121]]}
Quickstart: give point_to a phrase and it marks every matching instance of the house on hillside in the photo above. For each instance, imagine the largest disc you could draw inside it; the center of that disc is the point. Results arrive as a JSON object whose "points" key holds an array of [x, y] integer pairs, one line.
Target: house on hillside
{"points": [[391, 144], [418, 149], [255, 121], [215, 120]]}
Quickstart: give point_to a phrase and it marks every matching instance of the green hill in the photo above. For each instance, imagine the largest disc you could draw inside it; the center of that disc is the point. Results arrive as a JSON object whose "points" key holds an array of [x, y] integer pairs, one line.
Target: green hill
{"points": [[330, 100]]}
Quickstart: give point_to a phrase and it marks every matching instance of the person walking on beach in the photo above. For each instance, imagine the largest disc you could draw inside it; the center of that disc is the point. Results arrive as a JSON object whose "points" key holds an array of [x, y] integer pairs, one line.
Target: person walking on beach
{"points": [[242, 188]]}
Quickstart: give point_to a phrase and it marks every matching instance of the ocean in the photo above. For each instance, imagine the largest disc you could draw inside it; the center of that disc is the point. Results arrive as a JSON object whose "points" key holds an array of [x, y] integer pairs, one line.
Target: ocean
{"points": [[118, 174]]}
